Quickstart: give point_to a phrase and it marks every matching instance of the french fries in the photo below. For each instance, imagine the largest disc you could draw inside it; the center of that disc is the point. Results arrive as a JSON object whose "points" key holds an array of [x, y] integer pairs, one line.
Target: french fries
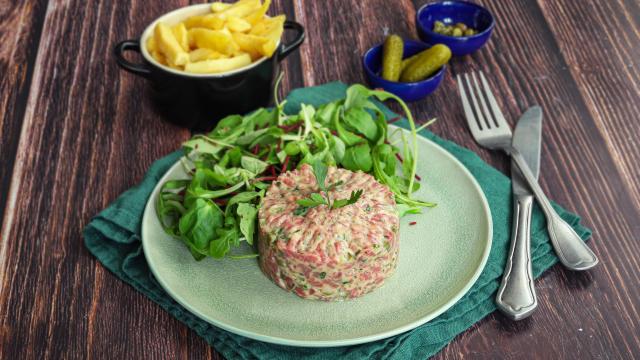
{"points": [[232, 36], [180, 33], [218, 66], [169, 46], [204, 54], [216, 40]]}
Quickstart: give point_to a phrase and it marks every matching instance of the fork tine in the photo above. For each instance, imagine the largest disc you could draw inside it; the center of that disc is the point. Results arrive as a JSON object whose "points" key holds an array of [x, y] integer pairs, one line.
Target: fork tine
{"points": [[498, 117], [483, 124], [487, 114], [471, 119]]}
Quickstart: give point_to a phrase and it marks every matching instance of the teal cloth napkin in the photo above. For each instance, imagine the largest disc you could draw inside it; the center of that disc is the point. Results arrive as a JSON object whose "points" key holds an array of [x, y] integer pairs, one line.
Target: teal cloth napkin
{"points": [[113, 236]]}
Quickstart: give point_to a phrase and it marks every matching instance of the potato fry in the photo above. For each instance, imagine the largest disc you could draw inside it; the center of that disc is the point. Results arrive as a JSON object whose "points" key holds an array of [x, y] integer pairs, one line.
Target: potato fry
{"points": [[180, 32], [236, 24], [259, 14], [214, 39], [205, 54], [219, 65], [209, 21], [159, 57], [219, 6], [266, 25], [226, 31], [251, 44], [241, 8], [151, 44], [269, 47], [274, 34], [169, 46]]}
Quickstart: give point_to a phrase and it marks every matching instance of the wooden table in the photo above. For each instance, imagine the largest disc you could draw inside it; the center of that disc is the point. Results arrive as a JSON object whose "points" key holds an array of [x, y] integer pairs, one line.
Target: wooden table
{"points": [[75, 132]]}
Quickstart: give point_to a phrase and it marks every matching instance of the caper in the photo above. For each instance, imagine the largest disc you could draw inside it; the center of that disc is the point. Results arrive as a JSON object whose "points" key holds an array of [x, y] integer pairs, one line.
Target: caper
{"points": [[457, 30], [438, 25]]}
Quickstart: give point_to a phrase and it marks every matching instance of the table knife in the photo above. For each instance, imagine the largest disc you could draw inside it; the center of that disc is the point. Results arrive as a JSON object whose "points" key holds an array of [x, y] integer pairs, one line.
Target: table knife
{"points": [[516, 296]]}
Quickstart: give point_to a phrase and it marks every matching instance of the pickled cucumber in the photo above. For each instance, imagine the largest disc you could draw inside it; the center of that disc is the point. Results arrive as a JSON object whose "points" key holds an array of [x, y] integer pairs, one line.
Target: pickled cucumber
{"points": [[392, 52], [407, 61], [427, 63]]}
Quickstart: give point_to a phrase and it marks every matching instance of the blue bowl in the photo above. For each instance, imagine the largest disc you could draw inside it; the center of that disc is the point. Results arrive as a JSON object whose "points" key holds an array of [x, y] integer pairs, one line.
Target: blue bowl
{"points": [[372, 63], [452, 12]]}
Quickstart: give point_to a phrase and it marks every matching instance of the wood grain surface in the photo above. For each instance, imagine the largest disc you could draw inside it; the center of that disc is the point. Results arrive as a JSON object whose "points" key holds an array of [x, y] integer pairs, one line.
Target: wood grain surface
{"points": [[75, 132]]}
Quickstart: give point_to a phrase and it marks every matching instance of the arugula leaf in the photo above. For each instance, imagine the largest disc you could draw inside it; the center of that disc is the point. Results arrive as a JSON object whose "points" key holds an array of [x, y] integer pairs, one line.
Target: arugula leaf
{"points": [[355, 195], [263, 117], [325, 112], [358, 97], [268, 137], [255, 166], [243, 197], [385, 155], [348, 137], [249, 137], [221, 245], [320, 172], [361, 121], [226, 126], [202, 146], [306, 113], [358, 158], [247, 214], [198, 224], [337, 148]]}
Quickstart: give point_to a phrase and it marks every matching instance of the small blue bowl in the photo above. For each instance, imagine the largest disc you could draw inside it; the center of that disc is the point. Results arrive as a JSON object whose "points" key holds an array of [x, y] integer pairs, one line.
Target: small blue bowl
{"points": [[372, 63], [450, 13]]}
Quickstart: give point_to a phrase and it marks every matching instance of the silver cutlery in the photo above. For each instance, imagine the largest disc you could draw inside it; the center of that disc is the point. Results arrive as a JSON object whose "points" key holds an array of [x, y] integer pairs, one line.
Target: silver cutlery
{"points": [[516, 297], [490, 130]]}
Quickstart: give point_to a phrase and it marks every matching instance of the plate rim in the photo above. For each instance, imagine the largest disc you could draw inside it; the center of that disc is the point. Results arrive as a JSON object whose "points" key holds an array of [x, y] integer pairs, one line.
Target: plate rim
{"points": [[149, 210]]}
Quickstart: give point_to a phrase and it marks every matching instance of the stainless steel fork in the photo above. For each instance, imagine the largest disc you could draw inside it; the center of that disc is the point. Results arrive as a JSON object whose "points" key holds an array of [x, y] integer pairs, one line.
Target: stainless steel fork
{"points": [[491, 130]]}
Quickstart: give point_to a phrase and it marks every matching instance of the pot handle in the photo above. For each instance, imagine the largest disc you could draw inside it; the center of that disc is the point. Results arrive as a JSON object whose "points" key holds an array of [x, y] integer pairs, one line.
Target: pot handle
{"points": [[288, 48], [130, 45]]}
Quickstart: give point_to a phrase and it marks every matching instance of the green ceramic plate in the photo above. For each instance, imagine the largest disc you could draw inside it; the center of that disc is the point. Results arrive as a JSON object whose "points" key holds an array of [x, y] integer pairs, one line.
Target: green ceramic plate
{"points": [[441, 256]]}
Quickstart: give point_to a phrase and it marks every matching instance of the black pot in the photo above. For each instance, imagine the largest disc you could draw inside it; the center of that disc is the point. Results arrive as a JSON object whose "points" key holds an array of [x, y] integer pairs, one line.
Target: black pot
{"points": [[198, 101]]}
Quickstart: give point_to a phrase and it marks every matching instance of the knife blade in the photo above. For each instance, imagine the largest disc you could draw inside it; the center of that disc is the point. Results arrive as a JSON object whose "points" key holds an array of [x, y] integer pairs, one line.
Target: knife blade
{"points": [[527, 138], [516, 296]]}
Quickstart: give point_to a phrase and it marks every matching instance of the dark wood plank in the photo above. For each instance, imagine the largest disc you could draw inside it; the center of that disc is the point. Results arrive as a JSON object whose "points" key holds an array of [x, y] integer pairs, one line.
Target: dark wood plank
{"points": [[20, 27], [86, 123], [604, 59]]}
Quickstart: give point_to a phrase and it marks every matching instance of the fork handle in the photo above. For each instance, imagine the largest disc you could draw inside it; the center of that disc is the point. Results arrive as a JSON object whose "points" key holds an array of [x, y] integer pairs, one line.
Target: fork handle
{"points": [[572, 251], [516, 297]]}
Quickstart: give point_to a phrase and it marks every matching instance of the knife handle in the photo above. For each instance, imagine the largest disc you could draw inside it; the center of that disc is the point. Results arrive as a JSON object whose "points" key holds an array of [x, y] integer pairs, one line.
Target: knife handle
{"points": [[516, 296], [573, 253]]}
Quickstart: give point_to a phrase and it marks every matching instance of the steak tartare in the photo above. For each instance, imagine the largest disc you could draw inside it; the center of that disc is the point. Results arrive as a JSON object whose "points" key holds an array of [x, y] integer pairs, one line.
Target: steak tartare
{"points": [[328, 254]]}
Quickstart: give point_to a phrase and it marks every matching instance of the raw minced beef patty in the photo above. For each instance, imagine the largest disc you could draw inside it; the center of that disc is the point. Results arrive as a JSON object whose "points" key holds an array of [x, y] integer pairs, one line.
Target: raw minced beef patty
{"points": [[328, 254]]}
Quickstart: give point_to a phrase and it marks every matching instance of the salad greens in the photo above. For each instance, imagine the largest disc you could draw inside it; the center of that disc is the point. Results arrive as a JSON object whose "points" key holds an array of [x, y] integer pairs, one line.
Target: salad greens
{"points": [[215, 210]]}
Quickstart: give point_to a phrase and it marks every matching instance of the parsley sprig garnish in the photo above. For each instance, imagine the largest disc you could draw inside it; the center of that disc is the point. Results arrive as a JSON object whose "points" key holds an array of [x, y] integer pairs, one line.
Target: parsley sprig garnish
{"points": [[322, 198]]}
